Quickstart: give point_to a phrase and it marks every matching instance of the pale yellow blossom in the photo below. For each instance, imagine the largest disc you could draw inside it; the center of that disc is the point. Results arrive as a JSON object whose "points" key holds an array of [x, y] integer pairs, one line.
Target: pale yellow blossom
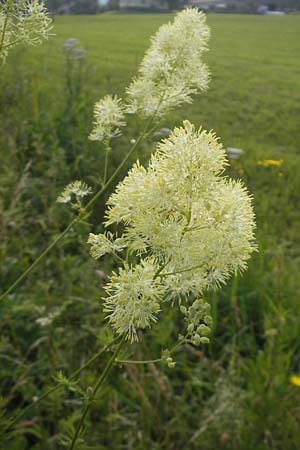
{"points": [[295, 380], [270, 162]]}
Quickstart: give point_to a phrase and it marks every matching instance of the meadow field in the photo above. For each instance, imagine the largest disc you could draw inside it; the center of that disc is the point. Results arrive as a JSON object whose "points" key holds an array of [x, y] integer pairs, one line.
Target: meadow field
{"points": [[240, 392]]}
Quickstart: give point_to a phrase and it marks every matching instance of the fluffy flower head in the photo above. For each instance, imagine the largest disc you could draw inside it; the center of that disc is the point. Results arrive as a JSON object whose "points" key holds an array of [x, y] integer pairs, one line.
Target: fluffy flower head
{"points": [[34, 24], [172, 69], [77, 189], [134, 297], [195, 225], [108, 117], [184, 213]]}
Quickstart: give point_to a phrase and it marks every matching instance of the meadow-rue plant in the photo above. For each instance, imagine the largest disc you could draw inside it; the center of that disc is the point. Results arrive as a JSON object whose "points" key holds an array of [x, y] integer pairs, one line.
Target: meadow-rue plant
{"points": [[22, 21], [185, 229], [159, 88], [134, 297], [73, 194], [180, 226], [104, 243], [109, 114], [188, 227], [172, 69]]}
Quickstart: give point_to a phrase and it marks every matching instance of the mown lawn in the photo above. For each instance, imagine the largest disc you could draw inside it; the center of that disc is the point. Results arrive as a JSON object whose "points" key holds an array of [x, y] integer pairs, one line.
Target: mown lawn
{"points": [[236, 394]]}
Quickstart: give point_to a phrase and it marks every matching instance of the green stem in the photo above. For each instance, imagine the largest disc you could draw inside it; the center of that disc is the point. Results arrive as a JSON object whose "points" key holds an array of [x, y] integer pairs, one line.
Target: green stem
{"points": [[58, 386], [11, 44], [143, 136], [3, 33], [180, 271], [107, 150], [149, 361], [96, 388], [132, 361], [117, 257], [160, 269]]}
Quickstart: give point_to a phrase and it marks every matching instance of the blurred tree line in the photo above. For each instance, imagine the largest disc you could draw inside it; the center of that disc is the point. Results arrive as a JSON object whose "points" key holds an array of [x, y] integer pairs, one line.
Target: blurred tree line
{"points": [[96, 6], [73, 6]]}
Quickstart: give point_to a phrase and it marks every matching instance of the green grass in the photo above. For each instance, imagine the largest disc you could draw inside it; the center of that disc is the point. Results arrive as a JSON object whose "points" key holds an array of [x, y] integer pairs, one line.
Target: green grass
{"points": [[236, 393], [254, 90]]}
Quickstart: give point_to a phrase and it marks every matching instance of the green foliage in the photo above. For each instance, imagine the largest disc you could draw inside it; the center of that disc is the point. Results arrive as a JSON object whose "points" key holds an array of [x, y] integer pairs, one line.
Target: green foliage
{"points": [[233, 394]]}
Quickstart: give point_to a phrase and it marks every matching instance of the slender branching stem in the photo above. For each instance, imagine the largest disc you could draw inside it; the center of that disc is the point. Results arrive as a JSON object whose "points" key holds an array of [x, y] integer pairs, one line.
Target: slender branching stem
{"points": [[95, 390], [161, 269], [162, 275], [107, 150], [143, 361], [11, 44], [153, 361], [117, 257]]}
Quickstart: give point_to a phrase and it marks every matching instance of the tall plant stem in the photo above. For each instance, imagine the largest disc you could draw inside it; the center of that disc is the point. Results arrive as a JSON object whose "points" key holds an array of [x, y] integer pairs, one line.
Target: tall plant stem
{"points": [[9, 11], [95, 390], [151, 361], [57, 387], [3, 33], [107, 150], [147, 130]]}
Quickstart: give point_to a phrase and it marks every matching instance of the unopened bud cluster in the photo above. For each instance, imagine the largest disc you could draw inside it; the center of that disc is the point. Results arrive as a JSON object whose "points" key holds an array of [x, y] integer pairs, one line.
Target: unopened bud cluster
{"points": [[198, 320], [167, 358]]}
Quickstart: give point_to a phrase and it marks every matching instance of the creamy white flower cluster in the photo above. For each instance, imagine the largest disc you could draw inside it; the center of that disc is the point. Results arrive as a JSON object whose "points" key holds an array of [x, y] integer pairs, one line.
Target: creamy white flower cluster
{"points": [[22, 21], [104, 243], [187, 228], [109, 114], [172, 69], [170, 73], [73, 193], [145, 292]]}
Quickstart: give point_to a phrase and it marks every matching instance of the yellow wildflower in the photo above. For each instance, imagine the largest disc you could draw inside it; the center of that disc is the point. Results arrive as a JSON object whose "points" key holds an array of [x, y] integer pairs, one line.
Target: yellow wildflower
{"points": [[295, 380], [270, 162]]}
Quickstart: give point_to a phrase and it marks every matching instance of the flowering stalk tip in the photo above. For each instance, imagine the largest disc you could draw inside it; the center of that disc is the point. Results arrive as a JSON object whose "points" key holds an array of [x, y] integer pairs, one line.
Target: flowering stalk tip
{"points": [[172, 70]]}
